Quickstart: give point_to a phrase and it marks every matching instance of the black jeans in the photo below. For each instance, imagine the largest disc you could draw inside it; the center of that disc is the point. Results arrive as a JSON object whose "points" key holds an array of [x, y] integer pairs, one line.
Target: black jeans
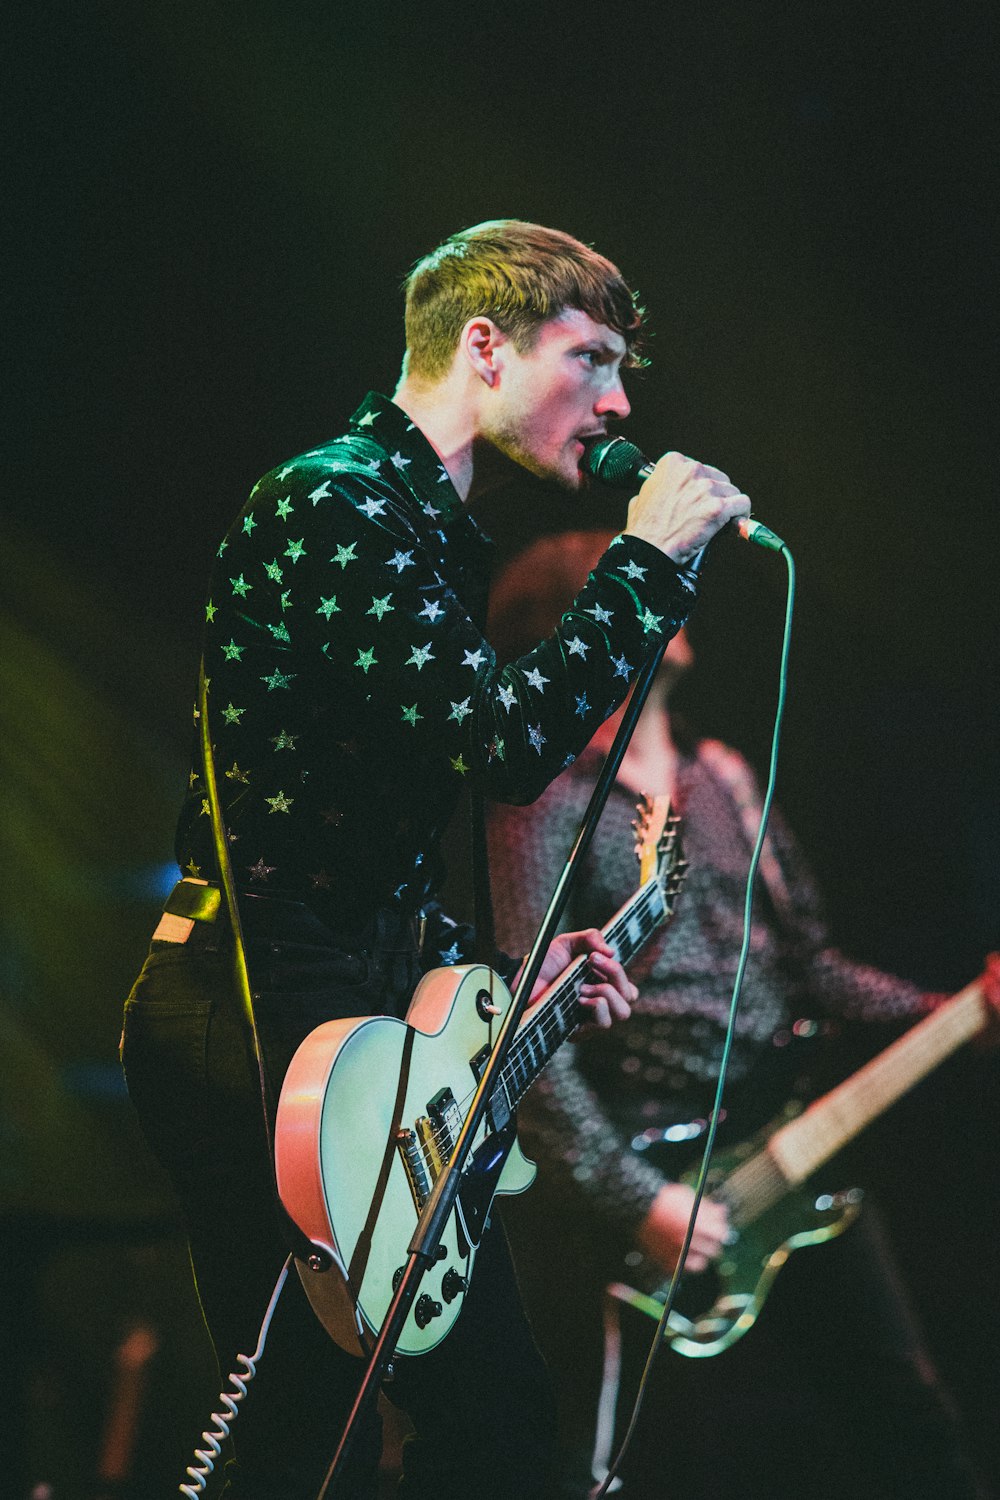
{"points": [[480, 1403]]}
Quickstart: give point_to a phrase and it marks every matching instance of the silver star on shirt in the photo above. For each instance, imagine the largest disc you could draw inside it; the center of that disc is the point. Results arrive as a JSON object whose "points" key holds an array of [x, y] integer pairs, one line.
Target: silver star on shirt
{"points": [[535, 679], [420, 655]]}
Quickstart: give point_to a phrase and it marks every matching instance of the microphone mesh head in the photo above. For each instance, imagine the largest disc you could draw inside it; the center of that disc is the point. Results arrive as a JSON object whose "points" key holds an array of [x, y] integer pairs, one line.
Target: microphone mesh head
{"points": [[614, 461]]}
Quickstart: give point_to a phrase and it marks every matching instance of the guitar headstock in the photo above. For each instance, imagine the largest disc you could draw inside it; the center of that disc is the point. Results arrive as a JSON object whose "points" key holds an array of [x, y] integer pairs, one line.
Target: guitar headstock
{"points": [[658, 847]]}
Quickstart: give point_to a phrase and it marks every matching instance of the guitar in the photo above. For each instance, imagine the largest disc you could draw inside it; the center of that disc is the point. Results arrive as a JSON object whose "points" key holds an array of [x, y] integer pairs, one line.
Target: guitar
{"points": [[371, 1108], [765, 1184]]}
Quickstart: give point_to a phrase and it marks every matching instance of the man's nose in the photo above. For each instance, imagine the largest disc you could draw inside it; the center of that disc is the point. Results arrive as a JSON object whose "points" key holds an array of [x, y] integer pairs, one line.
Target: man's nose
{"points": [[614, 401]]}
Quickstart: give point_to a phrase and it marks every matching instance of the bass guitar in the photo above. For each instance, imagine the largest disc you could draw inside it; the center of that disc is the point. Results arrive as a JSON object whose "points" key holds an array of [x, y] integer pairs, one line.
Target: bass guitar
{"points": [[774, 1208], [371, 1108]]}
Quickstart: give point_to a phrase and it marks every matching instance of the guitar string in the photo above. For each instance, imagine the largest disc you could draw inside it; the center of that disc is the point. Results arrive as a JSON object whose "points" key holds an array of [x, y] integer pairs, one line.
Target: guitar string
{"points": [[553, 1021]]}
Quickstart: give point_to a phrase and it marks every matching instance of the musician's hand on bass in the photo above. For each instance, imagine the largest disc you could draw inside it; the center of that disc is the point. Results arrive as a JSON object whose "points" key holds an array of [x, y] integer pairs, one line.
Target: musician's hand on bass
{"points": [[609, 998], [661, 1233]]}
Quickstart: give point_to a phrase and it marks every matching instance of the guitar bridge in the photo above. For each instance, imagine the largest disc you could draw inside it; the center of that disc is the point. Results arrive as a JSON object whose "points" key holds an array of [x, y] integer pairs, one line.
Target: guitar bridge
{"points": [[413, 1162]]}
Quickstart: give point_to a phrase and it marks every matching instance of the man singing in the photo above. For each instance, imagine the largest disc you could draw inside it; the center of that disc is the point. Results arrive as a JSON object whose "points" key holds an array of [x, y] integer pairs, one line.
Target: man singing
{"points": [[351, 693]]}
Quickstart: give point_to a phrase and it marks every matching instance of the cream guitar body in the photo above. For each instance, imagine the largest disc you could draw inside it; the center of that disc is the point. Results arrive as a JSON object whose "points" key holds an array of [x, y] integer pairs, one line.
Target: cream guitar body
{"points": [[371, 1108]]}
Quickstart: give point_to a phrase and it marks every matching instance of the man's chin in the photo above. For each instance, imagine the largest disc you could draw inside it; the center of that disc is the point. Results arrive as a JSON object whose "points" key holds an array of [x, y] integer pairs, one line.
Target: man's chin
{"points": [[572, 478], [567, 475]]}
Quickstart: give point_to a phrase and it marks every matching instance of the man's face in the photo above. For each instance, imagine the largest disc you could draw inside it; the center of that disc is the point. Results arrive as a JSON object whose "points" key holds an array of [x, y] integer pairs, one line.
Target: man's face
{"points": [[549, 402]]}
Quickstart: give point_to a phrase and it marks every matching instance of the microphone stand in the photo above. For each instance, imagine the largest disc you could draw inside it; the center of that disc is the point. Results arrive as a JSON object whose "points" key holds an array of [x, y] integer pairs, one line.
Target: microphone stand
{"points": [[434, 1216]]}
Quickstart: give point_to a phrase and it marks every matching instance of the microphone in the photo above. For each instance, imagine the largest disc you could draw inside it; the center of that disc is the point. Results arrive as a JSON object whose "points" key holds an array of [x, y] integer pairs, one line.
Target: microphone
{"points": [[617, 462]]}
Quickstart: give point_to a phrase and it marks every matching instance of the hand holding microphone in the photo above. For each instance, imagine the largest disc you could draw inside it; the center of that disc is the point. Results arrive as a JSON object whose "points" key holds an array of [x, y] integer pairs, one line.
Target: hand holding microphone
{"points": [[682, 504]]}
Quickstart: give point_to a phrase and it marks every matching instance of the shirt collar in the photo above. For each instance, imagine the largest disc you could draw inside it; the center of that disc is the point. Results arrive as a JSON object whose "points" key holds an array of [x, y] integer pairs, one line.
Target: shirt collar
{"points": [[418, 465]]}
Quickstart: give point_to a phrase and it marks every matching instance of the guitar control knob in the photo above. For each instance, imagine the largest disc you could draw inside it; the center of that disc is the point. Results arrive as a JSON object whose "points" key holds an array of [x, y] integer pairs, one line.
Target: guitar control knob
{"points": [[485, 1006], [452, 1285], [425, 1310]]}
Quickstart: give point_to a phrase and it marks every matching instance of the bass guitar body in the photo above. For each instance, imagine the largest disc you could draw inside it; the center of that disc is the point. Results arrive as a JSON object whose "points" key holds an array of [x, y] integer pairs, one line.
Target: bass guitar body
{"points": [[770, 1185], [717, 1306]]}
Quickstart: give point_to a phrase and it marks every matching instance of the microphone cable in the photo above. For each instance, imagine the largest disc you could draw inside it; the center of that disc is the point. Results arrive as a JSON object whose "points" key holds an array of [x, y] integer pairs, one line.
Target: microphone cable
{"points": [[659, 1339]]}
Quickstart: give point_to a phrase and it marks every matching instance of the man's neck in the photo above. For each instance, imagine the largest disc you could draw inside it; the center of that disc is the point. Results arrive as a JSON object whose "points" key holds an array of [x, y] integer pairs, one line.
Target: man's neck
{"points": [[449, 421]]}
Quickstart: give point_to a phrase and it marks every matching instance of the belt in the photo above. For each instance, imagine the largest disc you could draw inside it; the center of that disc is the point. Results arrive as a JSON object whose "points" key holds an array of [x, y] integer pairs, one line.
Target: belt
{"points": [[190, 901], [193, 900]]}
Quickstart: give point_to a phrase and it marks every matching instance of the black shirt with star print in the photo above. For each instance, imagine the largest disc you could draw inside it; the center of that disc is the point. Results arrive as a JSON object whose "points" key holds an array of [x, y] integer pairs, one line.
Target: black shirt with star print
{"points": [[351, 689]]}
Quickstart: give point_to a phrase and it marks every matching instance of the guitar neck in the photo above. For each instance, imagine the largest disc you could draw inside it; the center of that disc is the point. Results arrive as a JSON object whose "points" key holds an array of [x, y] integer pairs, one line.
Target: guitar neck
{"points": [[553, 1020], [795, 1151]]}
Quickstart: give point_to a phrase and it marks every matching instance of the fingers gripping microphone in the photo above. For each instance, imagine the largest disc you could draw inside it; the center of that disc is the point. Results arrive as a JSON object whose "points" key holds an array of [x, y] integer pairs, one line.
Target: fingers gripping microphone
{"points": [[619, 463]]}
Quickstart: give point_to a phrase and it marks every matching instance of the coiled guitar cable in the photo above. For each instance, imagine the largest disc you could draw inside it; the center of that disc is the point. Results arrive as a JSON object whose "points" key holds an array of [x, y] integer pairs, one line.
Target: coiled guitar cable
{"points": [[229, 1400]]}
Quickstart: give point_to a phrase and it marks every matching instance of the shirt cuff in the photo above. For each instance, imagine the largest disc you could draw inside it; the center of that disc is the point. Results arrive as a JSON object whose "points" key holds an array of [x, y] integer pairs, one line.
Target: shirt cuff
{"points": [[660, 585]]}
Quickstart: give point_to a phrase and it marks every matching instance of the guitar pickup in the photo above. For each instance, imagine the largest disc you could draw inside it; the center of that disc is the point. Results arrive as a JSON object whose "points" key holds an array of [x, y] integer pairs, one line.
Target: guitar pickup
{"points": [[438, 1130]]}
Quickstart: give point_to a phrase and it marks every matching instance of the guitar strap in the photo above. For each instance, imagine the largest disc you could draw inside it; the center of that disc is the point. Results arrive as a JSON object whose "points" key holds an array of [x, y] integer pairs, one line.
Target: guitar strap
{"points": [[296, 1241], [484, 946]]}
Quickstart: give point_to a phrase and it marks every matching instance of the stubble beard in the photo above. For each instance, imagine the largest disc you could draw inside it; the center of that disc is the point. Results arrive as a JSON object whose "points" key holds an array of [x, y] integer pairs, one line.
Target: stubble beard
{"points": [[508, 439]]}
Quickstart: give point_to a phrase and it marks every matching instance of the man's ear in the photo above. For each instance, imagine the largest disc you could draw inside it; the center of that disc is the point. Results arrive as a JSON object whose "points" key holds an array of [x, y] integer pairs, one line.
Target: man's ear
{"points": [[484, 346]]}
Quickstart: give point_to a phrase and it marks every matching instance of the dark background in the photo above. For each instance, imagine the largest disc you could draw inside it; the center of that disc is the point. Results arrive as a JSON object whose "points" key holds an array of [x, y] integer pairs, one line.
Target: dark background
{"points": [[209, 209]]}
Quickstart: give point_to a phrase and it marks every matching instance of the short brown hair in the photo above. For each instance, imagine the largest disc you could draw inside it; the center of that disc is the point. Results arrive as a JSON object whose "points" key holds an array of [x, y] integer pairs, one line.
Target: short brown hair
{"points": [[518, 274]]}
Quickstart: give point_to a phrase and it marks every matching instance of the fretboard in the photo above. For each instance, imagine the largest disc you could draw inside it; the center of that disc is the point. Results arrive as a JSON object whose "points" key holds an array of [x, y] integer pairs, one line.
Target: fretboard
{"points": [[795, 1151], [555, 1019]]}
